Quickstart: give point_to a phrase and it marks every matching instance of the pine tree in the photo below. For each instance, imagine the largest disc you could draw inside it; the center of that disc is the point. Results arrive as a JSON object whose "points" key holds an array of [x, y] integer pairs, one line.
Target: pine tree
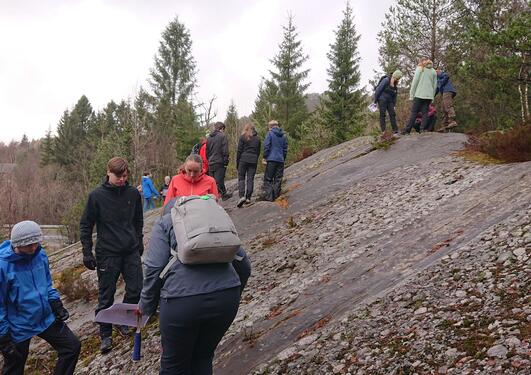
{"points": [[232, 131], [344, 101], [173, 77], [414, 29], [288, 78], [47, 156], [264, 106]]}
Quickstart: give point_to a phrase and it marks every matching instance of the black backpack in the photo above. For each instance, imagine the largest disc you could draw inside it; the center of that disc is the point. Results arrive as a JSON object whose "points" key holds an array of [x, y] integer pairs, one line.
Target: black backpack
{"points": [[195, 149], [381, 79]]}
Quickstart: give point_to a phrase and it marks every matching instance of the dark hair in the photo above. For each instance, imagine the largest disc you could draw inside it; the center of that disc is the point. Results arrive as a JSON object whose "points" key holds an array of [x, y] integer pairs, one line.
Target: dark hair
{"points": [[146, 173], [219, 125], [118, 166]]}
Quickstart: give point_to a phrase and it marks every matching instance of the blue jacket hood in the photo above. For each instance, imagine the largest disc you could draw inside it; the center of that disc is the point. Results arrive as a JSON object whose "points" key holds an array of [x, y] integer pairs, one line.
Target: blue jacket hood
{"points": [[7, 253], [278, 132]]}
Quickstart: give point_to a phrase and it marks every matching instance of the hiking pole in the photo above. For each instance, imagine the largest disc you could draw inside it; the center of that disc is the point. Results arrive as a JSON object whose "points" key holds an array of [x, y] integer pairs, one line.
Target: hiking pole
{"points": [[138, 340]]}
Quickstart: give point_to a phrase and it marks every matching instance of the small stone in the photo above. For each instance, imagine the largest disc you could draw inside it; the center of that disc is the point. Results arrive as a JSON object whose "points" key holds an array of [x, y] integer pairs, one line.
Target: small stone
{"points": [[499, 351], [504, 257], [454, 255], [512, 341], [286, 353], [307, 340], [460, 294], [452, 352], [442, 370], [519, 252], [420, 310], [337, 368]]}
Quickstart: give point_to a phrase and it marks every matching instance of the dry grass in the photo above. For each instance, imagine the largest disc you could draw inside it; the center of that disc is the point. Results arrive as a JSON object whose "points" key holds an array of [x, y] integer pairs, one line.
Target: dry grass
{"points": [[510, 146]]}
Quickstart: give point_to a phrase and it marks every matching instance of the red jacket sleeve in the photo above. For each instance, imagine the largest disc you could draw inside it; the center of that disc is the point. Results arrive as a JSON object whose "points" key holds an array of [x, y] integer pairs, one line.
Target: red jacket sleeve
{"points": [[202, 153]]}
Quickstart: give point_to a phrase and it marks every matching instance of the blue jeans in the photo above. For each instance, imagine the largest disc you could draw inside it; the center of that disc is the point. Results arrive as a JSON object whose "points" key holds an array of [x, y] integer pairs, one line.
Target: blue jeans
{"points": [[149, 204]]}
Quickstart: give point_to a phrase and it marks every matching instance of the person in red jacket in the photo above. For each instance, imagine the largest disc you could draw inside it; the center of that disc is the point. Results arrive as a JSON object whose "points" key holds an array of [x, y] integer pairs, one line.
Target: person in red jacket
{"points": [[202, 153], [191, 180]]}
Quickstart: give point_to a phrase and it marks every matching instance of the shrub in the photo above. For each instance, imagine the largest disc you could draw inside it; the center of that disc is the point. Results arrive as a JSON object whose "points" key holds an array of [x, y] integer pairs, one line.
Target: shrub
{"points": [[512, 145], [73, 286]]}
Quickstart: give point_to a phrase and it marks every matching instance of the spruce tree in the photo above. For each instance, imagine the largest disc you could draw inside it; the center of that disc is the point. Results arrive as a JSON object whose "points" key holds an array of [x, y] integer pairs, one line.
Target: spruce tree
{"points": [[264, 106], [344, 101], [288, 79], [232, 131], [47, 156]]}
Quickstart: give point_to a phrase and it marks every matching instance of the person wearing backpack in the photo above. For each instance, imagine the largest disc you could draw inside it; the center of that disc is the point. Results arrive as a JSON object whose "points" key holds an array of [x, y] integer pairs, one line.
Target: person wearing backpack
{"points": [[385, 96], [246, 163], [217, 154], [422, 92], [198, 302], [191, 180], [29, 304], [275, 152]]}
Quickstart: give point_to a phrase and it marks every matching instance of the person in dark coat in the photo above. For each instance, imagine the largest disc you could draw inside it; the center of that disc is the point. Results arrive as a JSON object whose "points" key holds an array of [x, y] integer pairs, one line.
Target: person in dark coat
{"points": [[385, 95], [448, 93], [246, 162], [30, 305], [217, 153], [275, 152], [198, 303], [115, 208]]}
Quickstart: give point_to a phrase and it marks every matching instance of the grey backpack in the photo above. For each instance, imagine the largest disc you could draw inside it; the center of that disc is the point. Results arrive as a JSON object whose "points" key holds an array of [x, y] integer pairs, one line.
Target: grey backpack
{"points": [[204, 232]]}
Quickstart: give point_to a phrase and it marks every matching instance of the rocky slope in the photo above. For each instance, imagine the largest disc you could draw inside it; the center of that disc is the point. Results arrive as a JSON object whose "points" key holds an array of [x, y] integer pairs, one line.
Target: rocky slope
{"points": [[406, 260]]}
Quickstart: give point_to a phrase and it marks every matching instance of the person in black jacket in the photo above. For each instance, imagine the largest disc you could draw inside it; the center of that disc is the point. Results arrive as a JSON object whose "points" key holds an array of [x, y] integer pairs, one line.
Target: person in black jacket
{"points": [[115, 208], [246, 162], [217, 153], [385, 95]]}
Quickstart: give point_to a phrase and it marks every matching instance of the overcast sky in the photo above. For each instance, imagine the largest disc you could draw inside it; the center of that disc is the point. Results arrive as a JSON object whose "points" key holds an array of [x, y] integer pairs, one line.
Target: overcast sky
{"points": [[52, 51]]}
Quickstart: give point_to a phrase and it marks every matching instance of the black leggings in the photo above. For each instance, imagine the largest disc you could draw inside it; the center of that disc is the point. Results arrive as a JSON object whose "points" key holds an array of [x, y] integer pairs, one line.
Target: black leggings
{"points": [[191, 329], [246, 172], [419, 105]]}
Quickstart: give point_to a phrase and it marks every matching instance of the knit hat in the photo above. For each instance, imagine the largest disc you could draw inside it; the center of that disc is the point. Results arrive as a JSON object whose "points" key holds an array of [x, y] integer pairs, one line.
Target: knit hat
{"points": [[397, 74], [26, 233]]}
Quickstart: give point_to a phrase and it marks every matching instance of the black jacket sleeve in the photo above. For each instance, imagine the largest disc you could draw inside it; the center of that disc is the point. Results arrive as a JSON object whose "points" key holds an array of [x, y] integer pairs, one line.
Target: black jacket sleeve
{"points": [[86, 225], [139, 222], [225, 151], [240, 150]]}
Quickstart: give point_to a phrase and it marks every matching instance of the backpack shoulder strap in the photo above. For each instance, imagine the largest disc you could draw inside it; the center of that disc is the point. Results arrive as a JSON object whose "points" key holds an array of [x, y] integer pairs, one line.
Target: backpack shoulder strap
{"points": [[171, 262]]}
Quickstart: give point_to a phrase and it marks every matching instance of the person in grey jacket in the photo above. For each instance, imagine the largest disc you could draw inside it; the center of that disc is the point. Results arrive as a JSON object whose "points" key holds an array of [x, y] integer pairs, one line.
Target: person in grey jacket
{"points": [[197, 302], [217, 153]]}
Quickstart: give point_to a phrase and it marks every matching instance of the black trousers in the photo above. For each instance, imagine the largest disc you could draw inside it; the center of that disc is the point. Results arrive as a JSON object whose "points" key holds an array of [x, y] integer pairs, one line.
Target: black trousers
{"points": [[191, 329], [109, 270], [246, 172], [217, 171], [389, 107], [61, 338], [273, 180], [419, 105]]}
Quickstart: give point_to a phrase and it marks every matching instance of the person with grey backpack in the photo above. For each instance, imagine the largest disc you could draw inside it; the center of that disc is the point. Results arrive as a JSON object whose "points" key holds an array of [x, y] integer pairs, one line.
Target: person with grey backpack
{"points": [[199, 288]]}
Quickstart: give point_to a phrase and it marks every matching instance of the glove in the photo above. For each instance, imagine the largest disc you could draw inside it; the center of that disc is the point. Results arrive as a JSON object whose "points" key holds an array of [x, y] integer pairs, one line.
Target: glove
{"points": [[89, 261], [9, 349], [59, 310]]}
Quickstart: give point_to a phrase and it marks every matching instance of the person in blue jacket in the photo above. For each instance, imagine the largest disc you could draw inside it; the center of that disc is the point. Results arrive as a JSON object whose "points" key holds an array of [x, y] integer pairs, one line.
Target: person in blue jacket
{"points": [[149, 192], [448, 93], [275, 152], [29, 305], [385, 96], [198, 303]]}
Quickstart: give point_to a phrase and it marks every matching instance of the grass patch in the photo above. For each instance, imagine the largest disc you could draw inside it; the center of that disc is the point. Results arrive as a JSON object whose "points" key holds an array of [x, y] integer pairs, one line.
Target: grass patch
{"points": [[384, 141], [71, 285]]}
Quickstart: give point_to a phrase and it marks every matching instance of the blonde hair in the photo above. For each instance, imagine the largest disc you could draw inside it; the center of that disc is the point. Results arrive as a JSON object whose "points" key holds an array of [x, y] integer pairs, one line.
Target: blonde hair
{"points": [[248, 131]]}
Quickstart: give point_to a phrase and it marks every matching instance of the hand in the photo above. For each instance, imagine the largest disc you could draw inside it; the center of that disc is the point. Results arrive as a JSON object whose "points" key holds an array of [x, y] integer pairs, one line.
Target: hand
{"points": [[59, 310], [89, 261]]}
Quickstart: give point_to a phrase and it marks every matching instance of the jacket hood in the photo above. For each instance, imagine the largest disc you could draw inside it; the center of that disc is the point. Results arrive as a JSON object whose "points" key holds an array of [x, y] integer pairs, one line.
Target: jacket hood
{"points": [[7, 253], [214, 133], [278, 132]]}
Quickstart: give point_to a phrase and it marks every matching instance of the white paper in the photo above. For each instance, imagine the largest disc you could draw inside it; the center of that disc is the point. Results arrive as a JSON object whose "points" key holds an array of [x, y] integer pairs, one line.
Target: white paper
{"points": [[373, 107], [121, 314]]}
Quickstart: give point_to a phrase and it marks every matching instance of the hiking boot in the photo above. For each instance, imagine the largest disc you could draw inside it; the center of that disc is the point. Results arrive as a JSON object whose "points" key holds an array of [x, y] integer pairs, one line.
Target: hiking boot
{"points": [[106, 345], [396, 135], [241, 202], [124, 330], [226, 196]]}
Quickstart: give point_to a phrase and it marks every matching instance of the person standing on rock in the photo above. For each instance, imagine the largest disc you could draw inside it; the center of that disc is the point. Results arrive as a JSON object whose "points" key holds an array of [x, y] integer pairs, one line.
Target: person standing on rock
{"points": [[385, 96], [149, 191], [246, 163], [448, 93], [29, 305], [198, 302], [422, 92], [217, 154], [275, 152], [115, 208]]}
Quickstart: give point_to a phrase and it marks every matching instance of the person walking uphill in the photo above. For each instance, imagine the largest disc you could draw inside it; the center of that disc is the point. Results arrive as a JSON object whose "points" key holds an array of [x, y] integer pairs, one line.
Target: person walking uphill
{"points": [[29, 305], [198, 302], [217, 153], [448, 92], [115, 208], [275, 152], [422, 92], [246, 162], [149, 191], [385, 95]]}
